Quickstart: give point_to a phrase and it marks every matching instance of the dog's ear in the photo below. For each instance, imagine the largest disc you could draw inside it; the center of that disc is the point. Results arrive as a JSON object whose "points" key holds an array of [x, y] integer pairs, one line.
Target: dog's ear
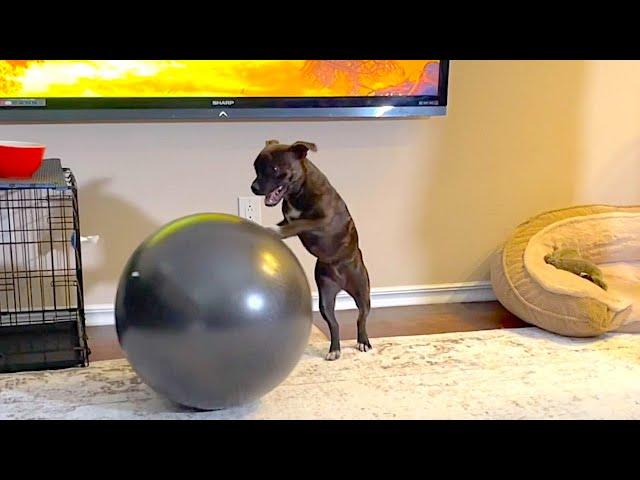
{"points": [[301, 148], [271, 142]]}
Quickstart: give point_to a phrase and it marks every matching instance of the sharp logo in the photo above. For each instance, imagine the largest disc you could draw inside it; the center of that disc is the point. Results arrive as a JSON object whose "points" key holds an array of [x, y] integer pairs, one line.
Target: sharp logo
{"points": [[222, 102]]}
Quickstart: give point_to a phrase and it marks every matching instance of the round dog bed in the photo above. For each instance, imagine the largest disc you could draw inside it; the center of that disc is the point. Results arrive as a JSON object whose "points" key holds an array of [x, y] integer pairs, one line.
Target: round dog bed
{"points": [[559, 301]]}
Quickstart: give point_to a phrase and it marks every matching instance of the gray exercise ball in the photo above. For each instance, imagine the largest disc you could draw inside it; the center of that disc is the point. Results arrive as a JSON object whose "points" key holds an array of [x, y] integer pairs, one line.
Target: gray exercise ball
{"points": [[213, 311]]}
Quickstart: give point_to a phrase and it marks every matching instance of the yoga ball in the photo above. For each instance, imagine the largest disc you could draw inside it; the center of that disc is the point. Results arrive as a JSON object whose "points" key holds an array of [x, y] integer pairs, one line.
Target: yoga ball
{"points": [[213, 311]]}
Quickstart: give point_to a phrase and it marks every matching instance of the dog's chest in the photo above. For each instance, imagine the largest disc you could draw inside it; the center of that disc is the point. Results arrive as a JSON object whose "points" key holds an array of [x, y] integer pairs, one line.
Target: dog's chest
{"points": [[291, 213]]}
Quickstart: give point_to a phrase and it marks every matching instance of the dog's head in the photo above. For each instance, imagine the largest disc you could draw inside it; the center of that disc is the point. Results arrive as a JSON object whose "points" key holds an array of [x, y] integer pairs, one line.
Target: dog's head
{"points": [[279, 167]]}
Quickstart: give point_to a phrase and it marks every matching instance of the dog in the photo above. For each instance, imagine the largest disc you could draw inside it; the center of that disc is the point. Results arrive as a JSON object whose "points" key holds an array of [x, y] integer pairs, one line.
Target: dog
{"points": [[314, 211]]}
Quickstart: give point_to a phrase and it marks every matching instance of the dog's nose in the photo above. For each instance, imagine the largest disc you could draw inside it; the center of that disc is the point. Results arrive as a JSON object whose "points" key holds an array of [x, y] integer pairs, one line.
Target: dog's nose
{"points": [[254, 187]]}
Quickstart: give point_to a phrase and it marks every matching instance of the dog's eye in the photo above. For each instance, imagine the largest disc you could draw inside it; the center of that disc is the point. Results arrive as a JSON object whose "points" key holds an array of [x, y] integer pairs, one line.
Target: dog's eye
{"points": [[275, 169]]}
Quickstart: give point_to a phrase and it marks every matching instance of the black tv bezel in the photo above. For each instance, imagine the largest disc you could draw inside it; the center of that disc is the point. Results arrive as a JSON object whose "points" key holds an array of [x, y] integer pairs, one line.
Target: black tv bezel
{"points": [[140, 109]]}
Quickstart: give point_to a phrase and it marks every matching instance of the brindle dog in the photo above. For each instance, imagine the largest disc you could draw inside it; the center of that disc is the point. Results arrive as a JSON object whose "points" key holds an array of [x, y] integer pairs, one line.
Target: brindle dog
{"points": [[316, 213]]}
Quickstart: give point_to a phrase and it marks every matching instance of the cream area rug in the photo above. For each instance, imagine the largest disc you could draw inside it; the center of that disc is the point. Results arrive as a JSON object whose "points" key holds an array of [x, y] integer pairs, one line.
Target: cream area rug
{"points": [[494, 374]]}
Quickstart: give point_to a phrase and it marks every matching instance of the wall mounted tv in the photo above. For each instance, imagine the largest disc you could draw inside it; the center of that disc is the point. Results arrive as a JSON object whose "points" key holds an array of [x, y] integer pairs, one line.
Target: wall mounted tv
{"points": [[35, 91]]}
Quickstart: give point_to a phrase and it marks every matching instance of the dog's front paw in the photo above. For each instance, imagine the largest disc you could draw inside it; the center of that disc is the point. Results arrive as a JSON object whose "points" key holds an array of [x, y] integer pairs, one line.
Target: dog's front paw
{"points": [[277, 230], [364, 346], [334, 355]]}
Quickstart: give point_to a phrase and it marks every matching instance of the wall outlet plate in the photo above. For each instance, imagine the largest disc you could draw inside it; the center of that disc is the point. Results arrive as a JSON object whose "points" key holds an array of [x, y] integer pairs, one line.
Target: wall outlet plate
{"points": [[249, 208]]}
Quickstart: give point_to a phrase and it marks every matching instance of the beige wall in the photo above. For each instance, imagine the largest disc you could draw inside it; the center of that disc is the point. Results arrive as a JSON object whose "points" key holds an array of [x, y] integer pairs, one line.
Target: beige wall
{"points": [[431, 198]]}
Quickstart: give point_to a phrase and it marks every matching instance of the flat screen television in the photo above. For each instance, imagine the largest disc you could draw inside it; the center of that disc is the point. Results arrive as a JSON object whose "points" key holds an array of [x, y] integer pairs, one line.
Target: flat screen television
{"points": [[34, 91]]}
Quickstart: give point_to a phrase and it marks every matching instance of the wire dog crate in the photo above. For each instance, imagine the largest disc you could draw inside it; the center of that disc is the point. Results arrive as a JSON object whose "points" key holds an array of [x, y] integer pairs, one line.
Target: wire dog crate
{"points": [[42, 322]]}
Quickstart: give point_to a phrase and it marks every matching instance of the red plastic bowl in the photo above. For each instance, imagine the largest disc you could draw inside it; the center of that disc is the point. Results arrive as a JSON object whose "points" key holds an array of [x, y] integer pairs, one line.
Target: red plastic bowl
{"points": [[20, 159]]}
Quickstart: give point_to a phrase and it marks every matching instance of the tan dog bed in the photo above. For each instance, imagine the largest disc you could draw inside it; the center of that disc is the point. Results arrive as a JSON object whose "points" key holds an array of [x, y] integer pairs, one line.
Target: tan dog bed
{"points": [[559, 301]]}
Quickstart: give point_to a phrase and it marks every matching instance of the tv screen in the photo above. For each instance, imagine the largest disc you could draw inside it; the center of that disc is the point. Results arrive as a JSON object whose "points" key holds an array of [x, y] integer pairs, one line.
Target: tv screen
{"points": [[195, 90]]}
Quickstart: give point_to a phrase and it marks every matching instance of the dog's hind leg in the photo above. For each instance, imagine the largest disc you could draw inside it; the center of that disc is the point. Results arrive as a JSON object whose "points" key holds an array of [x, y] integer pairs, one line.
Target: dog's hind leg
{"points": [[364, 306], [357, 285], [328, 289]]}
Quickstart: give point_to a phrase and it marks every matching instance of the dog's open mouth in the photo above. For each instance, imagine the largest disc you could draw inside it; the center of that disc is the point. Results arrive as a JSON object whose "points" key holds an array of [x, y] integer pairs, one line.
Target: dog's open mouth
{"points": [[272, 198]]}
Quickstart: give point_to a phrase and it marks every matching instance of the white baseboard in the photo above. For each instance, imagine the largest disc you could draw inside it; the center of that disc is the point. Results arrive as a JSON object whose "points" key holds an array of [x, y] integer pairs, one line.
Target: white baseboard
{"points": [[99, 315], [419, 295], [481, 291]]}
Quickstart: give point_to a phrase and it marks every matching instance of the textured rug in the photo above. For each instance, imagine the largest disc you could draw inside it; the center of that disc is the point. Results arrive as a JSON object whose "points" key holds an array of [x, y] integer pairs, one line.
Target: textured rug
{"points": [[494, 374]]}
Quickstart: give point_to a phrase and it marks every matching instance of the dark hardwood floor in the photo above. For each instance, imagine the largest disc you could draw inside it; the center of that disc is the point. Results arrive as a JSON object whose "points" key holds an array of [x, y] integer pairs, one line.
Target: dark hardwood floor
{"points": [[425, 319], [383, 322]]}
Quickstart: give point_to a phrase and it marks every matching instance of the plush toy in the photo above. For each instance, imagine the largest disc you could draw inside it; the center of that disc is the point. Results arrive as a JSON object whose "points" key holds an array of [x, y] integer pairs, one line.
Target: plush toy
{"points": [[570, 260]]}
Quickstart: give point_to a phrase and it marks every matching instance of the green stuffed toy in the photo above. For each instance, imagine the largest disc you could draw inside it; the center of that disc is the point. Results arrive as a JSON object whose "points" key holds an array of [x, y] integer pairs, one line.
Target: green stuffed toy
{"points": [[570, 260]]}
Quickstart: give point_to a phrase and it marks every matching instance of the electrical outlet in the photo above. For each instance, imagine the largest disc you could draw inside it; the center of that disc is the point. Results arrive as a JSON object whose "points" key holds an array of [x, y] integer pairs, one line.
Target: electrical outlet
{"points": [[249, 208]]}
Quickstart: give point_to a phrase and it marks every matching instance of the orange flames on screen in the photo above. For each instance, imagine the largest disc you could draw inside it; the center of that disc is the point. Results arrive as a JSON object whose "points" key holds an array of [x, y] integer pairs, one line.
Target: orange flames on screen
{"points": [[215, 78]]}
